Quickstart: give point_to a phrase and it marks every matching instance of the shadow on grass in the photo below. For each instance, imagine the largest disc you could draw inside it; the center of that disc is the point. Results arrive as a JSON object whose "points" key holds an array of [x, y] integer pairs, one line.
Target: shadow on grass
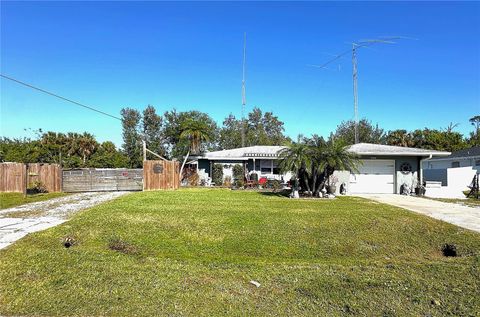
{"points": [[282, 193]]}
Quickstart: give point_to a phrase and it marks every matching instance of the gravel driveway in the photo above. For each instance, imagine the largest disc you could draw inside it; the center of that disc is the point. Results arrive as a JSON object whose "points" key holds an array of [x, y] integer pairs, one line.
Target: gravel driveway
{"points": [[17, 222]]}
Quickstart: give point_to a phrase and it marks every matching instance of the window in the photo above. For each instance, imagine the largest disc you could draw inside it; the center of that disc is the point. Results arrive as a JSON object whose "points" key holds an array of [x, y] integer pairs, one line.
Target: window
{"points": [[455, 164], [477, 162], [266, 166]]}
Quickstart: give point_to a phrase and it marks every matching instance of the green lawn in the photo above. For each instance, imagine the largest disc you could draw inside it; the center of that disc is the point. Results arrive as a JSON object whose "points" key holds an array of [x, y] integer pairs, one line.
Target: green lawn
{"points": [[194, 252], [8, 200], [471, 202]]}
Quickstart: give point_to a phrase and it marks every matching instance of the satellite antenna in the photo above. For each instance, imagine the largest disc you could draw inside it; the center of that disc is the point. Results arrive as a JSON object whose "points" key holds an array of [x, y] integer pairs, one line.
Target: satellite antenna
{"points": [[355, 47], [244, 97]]}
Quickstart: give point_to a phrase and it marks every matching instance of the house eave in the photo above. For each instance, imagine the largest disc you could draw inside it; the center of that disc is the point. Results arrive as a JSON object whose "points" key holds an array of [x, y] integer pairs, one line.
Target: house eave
{"points": [[224, 158], [474, 157], [400, 154]]}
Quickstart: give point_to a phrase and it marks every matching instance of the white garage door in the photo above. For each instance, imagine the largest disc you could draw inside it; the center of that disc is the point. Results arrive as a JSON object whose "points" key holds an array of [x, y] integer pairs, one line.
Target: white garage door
{"points": [[373, 176]]}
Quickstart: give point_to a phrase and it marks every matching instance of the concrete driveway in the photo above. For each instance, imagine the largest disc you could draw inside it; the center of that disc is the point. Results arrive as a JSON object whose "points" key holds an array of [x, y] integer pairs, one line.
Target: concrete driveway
{"points": [[462, 216], [17, 222]]}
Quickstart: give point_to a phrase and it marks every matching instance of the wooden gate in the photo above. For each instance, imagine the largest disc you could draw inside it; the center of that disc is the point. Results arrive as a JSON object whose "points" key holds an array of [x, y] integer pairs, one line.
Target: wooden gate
{"points": [[102, 179], [16, 177], [49, 175], [161, 174]]}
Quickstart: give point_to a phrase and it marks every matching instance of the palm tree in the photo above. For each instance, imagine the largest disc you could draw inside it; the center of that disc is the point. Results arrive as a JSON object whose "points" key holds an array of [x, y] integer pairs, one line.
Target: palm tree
{"points": [[297, 158], [334, 157], [196, 132], [87, 145], [314, 160]]}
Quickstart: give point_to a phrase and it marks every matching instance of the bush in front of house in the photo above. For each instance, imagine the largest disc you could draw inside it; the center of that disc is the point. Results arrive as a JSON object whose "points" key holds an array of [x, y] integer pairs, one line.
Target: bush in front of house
{"points": [[238, 175], [227, 182], [217, 174]]}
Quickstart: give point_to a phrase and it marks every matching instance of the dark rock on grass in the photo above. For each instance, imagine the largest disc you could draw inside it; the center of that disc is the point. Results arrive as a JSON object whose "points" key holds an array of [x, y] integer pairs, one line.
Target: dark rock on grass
{"points": [[69, 241], [449, 250]]}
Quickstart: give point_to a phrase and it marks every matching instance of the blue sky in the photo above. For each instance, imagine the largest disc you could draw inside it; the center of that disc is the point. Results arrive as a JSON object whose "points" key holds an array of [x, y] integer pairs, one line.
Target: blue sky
{"points": [[189, 56]]}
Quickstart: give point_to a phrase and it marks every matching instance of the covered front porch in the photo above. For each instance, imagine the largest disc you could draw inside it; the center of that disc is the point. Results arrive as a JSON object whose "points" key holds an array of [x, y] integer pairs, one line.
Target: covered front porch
{"points": [[264, 168]]}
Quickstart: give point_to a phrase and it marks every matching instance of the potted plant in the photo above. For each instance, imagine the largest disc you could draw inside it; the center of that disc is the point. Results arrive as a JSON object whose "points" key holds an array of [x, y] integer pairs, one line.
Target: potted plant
{"points": [[420, 190]]}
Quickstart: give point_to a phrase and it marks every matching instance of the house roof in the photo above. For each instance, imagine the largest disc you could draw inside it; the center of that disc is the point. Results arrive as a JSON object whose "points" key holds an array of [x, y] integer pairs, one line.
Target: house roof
{"points": [[390, 150], [271, 151], [244, 153], [465, 153]]}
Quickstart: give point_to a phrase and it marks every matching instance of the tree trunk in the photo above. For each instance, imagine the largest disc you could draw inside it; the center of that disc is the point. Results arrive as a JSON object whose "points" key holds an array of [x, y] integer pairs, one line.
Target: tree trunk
{"points": [[305, 180], [320, 186], [314, 181]]}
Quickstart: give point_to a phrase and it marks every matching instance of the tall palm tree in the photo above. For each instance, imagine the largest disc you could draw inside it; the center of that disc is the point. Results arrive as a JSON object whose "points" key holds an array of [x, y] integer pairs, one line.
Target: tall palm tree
{"points": [[333, 157], [87, 145], [196, 132], [297, 158]]}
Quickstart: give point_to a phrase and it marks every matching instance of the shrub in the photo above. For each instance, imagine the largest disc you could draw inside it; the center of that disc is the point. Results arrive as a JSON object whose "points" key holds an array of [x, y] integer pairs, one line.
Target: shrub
{"points": [[239, 183], [217, 176], [193, 179], [238, 172], [238, 175], [36, 187], [275, 185], [227, 181]]}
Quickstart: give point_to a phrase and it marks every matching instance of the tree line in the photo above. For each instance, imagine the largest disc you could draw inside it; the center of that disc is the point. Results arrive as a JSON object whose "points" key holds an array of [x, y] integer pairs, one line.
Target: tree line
{"points": [[174, 133], [445, 139]]}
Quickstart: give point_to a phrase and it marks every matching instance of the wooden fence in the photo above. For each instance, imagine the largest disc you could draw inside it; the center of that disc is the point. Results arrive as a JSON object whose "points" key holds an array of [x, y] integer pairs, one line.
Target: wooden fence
{"points": [[102, 179], [161, 175], [156, 175], [16, 177]]}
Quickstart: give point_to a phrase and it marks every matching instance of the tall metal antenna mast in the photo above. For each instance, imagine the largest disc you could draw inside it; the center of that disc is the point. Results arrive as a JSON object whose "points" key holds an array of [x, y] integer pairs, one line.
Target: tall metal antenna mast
{"points": [[244, 97], [355, 95], [355, 46]]}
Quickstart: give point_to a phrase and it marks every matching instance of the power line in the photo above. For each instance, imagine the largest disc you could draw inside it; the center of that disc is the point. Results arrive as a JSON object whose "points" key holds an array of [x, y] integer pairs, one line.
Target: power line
{"points": [[58, 96]]}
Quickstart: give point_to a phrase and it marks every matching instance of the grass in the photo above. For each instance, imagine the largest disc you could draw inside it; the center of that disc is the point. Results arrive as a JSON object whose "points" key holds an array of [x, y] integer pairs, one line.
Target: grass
{"points": [[194, 252], [471, 202], [8, 200]]}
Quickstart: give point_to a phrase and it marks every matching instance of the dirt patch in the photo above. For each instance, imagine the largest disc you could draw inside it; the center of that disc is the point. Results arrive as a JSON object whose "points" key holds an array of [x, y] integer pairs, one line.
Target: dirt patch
{"points": [[124, 247]]}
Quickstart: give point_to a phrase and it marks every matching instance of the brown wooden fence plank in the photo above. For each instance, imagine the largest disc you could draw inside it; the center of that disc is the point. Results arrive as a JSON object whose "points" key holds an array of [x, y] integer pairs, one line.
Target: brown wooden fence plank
{"points": [[158, 175], [16, 176]]}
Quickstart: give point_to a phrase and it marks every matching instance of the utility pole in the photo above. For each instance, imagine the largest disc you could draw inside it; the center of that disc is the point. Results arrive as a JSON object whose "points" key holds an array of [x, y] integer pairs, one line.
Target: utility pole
{"points": [[244, 98], [355, 95]]}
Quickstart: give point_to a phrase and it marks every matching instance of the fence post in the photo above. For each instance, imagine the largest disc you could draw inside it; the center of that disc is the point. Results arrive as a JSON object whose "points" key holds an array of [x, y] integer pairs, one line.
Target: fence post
{"points": [[25, 180]]}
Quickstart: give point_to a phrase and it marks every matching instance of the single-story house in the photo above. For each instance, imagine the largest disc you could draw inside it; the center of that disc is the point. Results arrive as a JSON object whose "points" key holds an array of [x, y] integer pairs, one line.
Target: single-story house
{"points": [[383, 168], [462, 158]]}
